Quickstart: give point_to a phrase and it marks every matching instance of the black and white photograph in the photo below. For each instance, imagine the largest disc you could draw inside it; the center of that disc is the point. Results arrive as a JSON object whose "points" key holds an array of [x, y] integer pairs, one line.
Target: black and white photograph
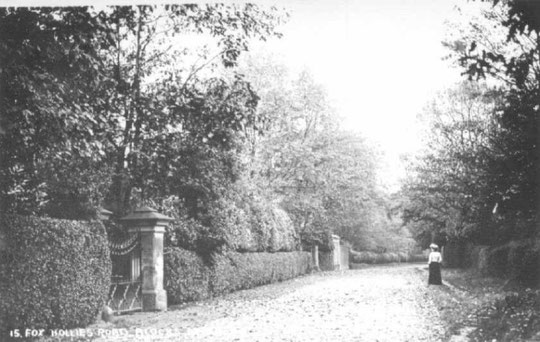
{"points": [[270, 170]]}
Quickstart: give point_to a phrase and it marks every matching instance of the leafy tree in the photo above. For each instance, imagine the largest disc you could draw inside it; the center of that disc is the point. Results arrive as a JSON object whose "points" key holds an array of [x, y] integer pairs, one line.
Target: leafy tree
{"points": [[49, 68], [448, 189], [88, 92], [149, 98], [479, 178], [517, 67], [322, 175]]}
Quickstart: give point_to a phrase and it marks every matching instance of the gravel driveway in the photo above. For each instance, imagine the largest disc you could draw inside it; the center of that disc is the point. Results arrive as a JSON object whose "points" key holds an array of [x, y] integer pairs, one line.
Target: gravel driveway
{"points": [[383, 303]]}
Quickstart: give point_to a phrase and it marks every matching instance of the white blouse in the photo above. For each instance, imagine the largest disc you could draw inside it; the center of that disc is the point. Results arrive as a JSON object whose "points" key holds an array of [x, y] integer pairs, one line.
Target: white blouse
{"points": [[434, 257]]}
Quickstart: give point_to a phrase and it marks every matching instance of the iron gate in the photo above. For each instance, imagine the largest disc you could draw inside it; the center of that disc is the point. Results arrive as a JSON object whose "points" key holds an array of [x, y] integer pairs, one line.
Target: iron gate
{"points": [[125, 292]]}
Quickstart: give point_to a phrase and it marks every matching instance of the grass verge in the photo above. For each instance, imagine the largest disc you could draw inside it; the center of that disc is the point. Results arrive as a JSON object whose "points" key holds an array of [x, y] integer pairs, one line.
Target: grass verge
{"points": [[479, 308]]}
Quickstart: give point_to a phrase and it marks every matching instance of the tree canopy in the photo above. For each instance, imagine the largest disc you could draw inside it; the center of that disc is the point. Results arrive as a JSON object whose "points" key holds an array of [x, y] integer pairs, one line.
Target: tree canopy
{"points": [[85, 93], [480, 178], [124, 106]]}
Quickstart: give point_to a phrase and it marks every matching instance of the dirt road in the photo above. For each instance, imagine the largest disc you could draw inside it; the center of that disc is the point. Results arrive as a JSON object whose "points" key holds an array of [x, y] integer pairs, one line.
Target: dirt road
{"points": [[384, 303]]}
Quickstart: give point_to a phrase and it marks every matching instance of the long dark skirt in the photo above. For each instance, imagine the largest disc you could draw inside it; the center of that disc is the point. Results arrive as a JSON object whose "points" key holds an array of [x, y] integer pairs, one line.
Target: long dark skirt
{"points": [[435, 274]]}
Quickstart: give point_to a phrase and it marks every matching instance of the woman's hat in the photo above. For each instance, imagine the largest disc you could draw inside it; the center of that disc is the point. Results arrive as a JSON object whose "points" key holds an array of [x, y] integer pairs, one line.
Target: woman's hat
{"points": [[433, 246]]}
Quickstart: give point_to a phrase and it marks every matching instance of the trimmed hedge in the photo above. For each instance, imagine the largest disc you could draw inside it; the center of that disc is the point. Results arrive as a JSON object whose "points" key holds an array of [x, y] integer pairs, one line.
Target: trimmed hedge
{"points": [[55, 273], [188, 278], [366, 257]]}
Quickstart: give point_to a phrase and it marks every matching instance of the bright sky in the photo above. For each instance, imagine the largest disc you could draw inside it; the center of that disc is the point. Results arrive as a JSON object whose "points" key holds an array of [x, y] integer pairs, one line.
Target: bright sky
{"points": [[380, 61]]}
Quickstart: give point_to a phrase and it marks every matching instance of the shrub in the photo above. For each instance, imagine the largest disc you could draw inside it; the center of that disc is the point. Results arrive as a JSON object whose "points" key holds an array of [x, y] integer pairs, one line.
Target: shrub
{"points": [[403, 257], [417, 258], [393, 257], [479, 258], [223, 275], [225, 216], [183, 233], [524, 262], [55, 273], [283, 236], [455, 254], [255, 227], [234, 271], [497, 262], [192, 235], [366, 257], [260, 221], [363, 257], [512, 317], [188, 278], [382, 258]]}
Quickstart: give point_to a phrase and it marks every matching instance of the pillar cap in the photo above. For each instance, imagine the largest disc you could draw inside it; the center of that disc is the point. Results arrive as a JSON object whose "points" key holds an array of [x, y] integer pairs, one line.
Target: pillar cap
{"points": [[146, 216]]}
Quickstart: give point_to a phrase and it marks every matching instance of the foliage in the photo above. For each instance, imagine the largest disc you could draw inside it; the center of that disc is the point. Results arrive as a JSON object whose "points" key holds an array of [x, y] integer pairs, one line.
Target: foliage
{"points": [[47, 122], [513, 64], [55, 273], [100, 94], [188, 277], [236, 271], [447, 195], [517, 261], [235, 222], [151, 104], [323, 176], [512, 318], [497, 261], [487, 305], [380, 258]]}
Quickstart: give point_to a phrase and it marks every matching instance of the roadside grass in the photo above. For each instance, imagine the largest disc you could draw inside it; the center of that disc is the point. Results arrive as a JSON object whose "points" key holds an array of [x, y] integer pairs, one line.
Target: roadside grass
{"points": [[479, 308]]}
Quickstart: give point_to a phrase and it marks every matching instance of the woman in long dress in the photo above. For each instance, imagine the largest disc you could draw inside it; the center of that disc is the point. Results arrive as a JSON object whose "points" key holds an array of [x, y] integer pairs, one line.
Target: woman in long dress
{"points": [[434, 262]]}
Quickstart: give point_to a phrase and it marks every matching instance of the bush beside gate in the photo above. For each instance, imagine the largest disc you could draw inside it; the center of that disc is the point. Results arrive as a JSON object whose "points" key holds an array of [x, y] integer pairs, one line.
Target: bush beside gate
{"points": [[55, 273], [189, 278]]}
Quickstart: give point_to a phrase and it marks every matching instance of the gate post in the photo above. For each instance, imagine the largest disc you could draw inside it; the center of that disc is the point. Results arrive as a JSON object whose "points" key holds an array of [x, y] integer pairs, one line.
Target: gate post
{"points": [[315, 257], [151, 226], [336, 253]]}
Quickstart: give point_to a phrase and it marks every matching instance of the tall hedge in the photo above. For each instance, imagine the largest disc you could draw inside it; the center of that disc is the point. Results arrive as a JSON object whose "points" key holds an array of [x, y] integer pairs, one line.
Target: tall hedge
{"points": [[188, 277], [55, 273], [366, 257], [256, 226]]}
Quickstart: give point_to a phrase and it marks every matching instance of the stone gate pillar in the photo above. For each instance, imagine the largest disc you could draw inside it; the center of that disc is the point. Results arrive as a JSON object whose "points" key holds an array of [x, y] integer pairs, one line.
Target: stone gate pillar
{"points": [[151, 226], [336, 253], [315, 257]]}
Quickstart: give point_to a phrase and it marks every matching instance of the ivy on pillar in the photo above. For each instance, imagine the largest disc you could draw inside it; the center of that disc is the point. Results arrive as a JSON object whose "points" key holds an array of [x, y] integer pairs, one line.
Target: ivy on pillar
{"points": [[151, 226]]}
